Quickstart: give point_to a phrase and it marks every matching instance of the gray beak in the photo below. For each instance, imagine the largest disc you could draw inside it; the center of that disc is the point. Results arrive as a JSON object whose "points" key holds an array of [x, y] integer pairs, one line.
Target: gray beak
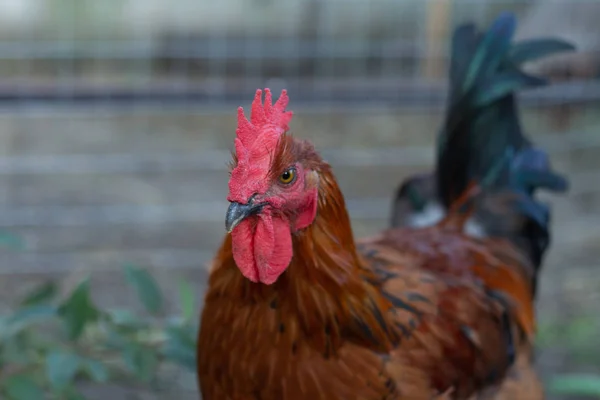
{"points": [[237, 212]]}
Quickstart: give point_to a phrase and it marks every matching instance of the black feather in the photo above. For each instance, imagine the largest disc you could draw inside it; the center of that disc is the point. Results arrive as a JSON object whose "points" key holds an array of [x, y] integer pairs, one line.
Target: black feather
{"points": [[482, 122], [530, 50], [481, 139]]}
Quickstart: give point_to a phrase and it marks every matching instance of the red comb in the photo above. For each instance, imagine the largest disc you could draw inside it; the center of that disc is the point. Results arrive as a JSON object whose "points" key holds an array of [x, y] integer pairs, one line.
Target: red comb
{"points": [[255, 143], [261, 117]]}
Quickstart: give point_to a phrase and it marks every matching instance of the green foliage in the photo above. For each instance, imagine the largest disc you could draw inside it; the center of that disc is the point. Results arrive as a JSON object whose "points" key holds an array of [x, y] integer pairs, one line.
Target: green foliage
{"points": [[49, 344], [180, 346], [61, 367], [22, 387], [577, 385], [186, 298], [578, 337], [10, 241], [41, 294], [78, 310], [146, 288]]}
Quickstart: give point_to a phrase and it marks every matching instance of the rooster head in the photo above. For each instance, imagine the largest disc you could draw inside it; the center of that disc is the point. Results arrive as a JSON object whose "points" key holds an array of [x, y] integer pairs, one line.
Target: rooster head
{"points": [[273, 190]]}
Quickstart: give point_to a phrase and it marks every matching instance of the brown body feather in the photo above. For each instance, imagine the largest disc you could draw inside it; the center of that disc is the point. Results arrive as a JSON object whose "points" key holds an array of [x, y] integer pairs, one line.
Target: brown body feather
{"points": [[411, 314]]}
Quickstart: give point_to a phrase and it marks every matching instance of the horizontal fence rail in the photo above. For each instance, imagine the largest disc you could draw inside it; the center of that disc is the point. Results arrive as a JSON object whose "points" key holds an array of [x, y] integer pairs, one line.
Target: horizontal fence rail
{"points": [[374, 93]]}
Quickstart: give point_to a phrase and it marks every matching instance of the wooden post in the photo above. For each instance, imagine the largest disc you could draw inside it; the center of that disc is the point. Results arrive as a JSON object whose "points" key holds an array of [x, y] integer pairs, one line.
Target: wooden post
{"points": [[437, 31]]}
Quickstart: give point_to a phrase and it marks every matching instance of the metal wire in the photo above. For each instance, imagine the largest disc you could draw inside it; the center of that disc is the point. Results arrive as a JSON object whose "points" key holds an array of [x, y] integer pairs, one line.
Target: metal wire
{"points": [[156, 51]]}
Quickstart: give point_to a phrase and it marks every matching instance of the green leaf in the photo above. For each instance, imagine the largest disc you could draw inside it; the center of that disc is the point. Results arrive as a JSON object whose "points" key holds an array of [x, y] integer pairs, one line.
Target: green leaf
{"points": [[73, 394], [116, 340], [22, 387], [126, 319], [577, 385], [15, 351], [141, 361], [186, 297], [146, 287], [97, 370], [61, 368], [41, 294], [79, 310], [180, 347], [11, 241], [26, 317], [31, 314]]}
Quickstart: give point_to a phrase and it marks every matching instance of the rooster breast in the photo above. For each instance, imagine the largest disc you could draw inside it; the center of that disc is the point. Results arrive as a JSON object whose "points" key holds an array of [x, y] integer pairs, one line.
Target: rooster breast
{"points": [[251, 354]]}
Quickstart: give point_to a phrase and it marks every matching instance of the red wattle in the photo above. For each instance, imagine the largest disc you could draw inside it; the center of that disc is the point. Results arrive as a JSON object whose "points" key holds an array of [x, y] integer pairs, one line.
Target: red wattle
{"points": [[262, 247]]}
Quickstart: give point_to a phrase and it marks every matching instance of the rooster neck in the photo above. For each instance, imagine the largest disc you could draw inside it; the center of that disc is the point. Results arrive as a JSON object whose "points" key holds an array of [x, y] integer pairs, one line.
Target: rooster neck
{"points": [[327, 288], [325, 265]]}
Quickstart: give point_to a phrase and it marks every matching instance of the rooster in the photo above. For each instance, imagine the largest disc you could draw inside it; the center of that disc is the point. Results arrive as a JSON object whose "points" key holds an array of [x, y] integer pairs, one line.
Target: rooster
{"points": [[296, 308]]}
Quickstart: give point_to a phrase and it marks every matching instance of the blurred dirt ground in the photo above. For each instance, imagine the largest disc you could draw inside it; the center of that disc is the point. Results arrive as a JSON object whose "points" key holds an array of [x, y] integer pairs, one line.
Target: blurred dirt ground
{"points": [[91, 190]]}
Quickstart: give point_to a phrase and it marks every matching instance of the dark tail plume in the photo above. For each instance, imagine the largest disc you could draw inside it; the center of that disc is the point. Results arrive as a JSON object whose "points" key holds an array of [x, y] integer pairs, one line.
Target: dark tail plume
{"points": [[482, 140]]}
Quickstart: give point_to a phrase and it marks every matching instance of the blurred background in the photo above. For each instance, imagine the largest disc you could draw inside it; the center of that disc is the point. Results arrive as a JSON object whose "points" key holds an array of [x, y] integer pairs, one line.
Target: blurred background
{"points": [[116, 121]]}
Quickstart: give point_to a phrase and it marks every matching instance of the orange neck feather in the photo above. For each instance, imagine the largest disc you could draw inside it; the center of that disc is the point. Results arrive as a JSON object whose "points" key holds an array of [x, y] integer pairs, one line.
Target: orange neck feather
{"points": [[325, 289]]}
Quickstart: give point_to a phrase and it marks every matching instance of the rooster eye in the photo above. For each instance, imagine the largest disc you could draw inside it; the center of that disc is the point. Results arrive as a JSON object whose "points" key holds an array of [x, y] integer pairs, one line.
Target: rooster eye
{"points": [[288, 176]]}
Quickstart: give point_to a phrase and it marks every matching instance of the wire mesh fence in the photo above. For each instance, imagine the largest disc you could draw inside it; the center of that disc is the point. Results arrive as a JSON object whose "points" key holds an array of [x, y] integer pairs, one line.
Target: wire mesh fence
{"points": [[188, 51], [132, 166]]}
